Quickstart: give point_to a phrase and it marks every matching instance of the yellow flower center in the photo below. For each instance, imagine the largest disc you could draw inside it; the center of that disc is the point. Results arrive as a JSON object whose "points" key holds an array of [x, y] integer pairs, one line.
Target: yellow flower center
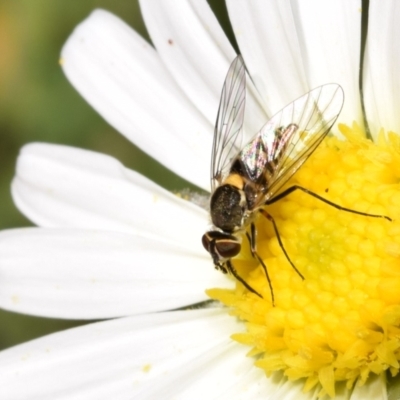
{"points": [[343, 321]]}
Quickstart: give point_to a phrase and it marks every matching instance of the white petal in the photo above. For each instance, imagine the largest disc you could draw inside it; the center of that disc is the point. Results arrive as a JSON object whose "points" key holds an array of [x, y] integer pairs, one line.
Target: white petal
{"points": [[180, 355], [198, 54], [375, 388], [123, 78], [81, 274], [393, 387], [292, 391], [60, 186], [193, 46], [292, 47], [267, 37], [381, 67]]}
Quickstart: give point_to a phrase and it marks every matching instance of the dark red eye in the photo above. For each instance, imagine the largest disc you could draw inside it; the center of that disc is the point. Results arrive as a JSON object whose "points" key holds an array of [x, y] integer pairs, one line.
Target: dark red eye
{"points": [[221, 245], [206, 242], [227, 248]]}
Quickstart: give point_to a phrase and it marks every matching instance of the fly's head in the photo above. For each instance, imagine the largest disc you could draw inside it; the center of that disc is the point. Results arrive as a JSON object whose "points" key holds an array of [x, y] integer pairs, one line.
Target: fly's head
{"points": [[222, 247]]}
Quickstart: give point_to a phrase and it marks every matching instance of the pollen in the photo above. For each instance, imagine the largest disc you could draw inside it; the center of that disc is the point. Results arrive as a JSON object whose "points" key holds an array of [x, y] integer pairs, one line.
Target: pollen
{"points": [[342, 322]]}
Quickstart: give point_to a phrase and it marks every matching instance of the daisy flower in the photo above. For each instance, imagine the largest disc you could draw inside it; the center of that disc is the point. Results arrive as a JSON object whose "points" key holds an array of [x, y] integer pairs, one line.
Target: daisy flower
{"points": [[112, 244]]}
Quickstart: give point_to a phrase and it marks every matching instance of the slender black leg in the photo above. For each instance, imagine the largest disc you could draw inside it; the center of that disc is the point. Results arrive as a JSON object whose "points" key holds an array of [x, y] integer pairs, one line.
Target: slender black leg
{"points": [[268, 278], [278, 236], [252, 238], [317, 196], [233, 271], [228, 267]]}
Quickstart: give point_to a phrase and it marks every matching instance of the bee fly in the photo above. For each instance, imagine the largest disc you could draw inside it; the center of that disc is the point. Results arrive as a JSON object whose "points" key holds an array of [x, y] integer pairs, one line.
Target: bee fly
{"points": [[244, 181]]}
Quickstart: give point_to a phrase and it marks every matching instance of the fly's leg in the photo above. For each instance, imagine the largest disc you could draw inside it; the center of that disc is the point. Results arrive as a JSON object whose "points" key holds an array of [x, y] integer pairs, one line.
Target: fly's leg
{"points": [[226, 266], [278, 236], [252, 238], [233, 271], [317, 196]]}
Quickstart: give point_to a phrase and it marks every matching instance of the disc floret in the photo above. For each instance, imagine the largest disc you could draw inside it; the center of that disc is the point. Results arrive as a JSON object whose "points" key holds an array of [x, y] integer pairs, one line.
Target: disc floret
{"points": [[342, 323]]}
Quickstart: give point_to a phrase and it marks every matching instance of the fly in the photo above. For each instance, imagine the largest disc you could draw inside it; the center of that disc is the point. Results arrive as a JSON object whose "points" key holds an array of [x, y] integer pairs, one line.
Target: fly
{"points": [[245, 180]]}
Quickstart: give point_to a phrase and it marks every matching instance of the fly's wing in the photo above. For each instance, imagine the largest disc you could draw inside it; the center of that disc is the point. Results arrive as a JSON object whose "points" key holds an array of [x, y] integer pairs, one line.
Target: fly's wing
{"points": [[229, 125], [286, 141]]}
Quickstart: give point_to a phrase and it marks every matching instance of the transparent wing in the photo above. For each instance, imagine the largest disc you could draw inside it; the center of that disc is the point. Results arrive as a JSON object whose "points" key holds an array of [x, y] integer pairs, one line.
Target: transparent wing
{"points": [[286, 141], [229, 125]]}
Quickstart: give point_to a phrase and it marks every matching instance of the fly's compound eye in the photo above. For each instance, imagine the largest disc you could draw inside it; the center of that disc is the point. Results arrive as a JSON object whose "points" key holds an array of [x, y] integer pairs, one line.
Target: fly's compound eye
{"points": [[206, 242], [221, 245], [228, 247]]}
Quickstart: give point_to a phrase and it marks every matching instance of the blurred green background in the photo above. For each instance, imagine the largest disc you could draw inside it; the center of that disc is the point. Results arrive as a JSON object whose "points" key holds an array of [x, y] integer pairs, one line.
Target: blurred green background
{"points": [[38, 104]]}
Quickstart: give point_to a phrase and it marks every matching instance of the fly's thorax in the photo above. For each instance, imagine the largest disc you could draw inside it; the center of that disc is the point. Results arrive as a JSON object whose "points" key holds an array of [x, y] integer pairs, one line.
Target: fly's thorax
{"points": [[228, 204], [254, 189]]}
